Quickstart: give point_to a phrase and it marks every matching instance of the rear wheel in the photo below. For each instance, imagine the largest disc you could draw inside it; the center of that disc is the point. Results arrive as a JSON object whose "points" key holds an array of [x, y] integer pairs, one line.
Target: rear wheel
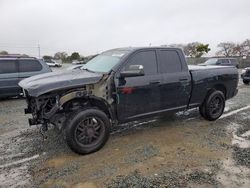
{"points": [[213, 106], [87, 131], [246, 82]]}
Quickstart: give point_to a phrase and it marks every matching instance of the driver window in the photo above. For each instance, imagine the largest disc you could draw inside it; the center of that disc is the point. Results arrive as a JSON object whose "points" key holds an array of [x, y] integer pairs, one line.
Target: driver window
{"points": [[147, 59]]}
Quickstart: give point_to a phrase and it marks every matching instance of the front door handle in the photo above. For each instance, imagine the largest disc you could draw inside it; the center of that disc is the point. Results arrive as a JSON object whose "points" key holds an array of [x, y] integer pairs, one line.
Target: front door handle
{"points": [[183, 79]]}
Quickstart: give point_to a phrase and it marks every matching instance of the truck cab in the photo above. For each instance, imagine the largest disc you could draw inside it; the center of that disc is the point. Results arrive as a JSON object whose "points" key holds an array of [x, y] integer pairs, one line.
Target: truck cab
{"points": [[165, 84]]}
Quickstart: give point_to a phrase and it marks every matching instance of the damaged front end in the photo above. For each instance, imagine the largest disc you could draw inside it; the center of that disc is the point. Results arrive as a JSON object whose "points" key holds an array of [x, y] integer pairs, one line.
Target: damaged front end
{"points": [[49, 108], [55, 107]]}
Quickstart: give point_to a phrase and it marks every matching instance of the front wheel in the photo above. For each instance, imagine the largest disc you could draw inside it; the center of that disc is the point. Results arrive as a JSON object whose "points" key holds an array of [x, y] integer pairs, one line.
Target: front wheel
{"points": [[87, 131], [246, 82], [213, 106]]}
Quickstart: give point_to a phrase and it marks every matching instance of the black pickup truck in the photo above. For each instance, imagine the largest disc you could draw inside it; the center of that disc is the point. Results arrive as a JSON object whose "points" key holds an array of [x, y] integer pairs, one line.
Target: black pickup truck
{"points": [[123, 85]]}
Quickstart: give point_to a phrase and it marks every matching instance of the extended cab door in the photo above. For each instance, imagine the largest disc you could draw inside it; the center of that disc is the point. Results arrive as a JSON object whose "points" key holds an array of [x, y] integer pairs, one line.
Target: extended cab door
{"points": [[176, 80], [9, 78], [138, 96]]}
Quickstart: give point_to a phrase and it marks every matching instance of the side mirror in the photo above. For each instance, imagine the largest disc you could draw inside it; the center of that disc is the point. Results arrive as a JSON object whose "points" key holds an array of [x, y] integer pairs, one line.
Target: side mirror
{"points": [[133, 71]]}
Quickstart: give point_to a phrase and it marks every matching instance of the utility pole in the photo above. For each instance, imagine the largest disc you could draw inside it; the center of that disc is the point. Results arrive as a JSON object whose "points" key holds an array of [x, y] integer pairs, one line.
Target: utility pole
{"points": [[39, 51]]}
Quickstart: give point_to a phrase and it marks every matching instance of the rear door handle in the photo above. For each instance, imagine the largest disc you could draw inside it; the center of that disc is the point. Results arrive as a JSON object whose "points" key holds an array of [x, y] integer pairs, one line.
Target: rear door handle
{"points": [[155, 82]]}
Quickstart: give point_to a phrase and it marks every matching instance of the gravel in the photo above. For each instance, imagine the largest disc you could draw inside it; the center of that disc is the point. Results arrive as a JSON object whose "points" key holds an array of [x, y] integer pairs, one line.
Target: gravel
{"points": [[142, 154], [242, 156], [166, 179]]}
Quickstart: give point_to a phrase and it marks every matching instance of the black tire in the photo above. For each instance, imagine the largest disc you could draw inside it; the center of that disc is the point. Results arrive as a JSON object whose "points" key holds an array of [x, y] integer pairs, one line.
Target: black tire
{"points": [[246, 82], [213, 106], [87, 131]]}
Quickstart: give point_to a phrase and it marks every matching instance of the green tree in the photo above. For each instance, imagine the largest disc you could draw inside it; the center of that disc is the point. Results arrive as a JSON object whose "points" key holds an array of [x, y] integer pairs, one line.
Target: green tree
{"points": [[75, 56], [202, 49], [196, 49], [4, 53]]}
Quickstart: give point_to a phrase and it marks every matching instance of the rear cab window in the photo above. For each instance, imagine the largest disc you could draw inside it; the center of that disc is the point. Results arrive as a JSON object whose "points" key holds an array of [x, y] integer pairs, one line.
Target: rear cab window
{"points": [[169, 61], [29, 65], [8, 67]]}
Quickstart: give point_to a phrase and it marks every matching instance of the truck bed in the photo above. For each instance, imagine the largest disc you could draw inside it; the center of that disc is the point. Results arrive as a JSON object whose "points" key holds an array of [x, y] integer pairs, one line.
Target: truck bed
{"points": [[205, 78]]}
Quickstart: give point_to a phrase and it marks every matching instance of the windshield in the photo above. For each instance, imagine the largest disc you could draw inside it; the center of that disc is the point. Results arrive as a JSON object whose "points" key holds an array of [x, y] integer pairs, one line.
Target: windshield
{"points": [[211, 62], [104, 62]]}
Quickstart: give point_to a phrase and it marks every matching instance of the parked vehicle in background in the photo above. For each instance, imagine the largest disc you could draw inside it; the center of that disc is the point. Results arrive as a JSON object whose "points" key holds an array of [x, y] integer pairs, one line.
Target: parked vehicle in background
{"points": [[14, 69], [221, 62], [74, 67], [124, 85], [246, 75], [75, 62], [52, 63]]}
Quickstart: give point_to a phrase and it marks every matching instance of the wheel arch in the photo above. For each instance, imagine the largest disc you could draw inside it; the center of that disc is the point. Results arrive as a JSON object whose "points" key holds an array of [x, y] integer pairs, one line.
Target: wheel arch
{"points": [[102, 105], [221, 88], [217, 87], [92, 101]]}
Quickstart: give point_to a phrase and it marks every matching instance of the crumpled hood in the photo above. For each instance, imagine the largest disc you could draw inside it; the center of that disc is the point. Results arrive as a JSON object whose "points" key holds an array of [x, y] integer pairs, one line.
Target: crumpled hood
{"points": [[44, 83]]}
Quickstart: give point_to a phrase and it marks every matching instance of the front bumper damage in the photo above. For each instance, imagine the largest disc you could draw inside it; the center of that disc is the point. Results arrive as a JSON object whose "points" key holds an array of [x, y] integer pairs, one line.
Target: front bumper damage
{"points": [[43, 108]]}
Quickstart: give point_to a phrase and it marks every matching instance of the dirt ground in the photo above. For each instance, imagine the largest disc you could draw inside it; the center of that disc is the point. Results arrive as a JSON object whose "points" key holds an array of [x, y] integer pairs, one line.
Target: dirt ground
{"points": [[182, 150]]}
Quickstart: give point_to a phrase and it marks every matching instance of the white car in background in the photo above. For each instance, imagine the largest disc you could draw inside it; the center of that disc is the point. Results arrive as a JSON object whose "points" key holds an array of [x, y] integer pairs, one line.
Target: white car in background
{"points": [[75, 62], [52, 63]]}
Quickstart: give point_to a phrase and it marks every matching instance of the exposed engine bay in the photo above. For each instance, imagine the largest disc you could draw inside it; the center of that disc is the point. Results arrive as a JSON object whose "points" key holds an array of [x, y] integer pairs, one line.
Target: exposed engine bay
{"points": [[53, 108]]}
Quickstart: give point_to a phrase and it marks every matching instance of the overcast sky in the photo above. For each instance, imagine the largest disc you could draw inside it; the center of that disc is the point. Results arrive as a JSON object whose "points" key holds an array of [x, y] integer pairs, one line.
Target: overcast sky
{"points": [[91, 26]]}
